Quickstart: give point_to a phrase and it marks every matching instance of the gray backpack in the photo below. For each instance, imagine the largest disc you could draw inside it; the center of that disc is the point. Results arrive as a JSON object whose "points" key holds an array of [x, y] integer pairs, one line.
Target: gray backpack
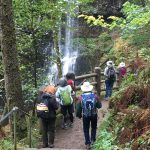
{"points": [[111, 74]]}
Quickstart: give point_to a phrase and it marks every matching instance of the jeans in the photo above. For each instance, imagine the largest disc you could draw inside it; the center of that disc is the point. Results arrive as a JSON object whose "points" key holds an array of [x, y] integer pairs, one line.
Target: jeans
{"points": [[87, 121], [48, 131], [109, 87]]}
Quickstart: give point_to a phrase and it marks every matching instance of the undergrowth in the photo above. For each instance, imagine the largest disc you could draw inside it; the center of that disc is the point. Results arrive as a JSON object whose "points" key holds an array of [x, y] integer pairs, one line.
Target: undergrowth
{"points": [[106, 139], [7, 143], [126, 126]]}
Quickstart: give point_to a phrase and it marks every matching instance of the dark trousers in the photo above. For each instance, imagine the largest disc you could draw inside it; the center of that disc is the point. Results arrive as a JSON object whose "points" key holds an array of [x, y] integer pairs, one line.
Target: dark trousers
{"points": [[87, 122], [67, 109], [48, 131], [109, 87]]}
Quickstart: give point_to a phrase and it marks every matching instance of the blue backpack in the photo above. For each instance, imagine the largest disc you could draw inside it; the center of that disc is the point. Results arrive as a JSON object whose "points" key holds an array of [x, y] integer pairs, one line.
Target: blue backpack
{"points": [[88, 104]]}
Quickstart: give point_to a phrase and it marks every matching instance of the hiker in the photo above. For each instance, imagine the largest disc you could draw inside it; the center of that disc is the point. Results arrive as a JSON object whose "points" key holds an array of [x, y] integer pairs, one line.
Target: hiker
{"points": [[65, 99], [122, 71], [70, 81], [110, 78], [87, 106], [46, 111], [51, 89]]}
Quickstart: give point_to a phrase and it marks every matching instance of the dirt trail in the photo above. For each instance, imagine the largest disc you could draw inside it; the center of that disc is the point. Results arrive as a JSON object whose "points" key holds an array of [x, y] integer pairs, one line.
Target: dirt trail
{"points": [[73, 138]]}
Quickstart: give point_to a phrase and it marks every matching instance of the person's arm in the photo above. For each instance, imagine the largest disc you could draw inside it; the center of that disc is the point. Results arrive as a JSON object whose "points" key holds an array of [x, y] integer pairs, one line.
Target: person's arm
{"points": [[79, 108], [105, 72], [117, 71], [73, 86], [70, 88], [55, 104], [58, 96]]}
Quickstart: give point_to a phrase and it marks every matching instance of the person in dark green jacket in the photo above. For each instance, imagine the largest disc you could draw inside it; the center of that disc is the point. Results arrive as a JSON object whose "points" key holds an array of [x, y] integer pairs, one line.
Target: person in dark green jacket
{"points": [[87, 105]]}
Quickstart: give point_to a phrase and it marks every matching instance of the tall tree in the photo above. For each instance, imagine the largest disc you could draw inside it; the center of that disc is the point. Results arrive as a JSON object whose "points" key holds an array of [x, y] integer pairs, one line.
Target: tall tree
{"points": [[10, 61]]}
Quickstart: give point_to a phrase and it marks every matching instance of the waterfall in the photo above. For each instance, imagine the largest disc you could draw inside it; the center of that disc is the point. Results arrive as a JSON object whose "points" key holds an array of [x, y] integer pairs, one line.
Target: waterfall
{"points": [[53, 71], [68, 48]]}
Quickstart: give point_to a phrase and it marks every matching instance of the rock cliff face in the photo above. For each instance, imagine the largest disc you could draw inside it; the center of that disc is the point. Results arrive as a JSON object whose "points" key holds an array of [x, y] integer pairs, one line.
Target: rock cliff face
{"points": [[98, 7], [107, 7]]}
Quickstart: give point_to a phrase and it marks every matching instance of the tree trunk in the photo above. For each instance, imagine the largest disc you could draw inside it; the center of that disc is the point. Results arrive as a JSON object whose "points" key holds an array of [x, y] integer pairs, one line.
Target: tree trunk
{"points": [[58, 55], [34, 45], [10, 62]]}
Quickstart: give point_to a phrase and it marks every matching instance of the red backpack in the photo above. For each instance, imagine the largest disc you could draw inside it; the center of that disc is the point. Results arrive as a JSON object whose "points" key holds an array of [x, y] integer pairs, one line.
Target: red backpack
{"points": [[71, 83], [123, 71]]}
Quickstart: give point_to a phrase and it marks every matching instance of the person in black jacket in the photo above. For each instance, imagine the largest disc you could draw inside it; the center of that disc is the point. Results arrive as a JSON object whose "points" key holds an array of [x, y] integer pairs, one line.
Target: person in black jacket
{"points": [[48, 119]]}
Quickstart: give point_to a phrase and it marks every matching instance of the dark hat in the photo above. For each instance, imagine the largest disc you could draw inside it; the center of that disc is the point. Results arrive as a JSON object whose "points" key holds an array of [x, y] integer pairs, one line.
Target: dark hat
{"points": [[70, 75], [62, 82]]}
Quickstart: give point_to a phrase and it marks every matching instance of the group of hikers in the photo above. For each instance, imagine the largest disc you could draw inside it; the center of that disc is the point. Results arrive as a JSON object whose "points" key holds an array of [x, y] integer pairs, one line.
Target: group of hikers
{"points": [[112, 74], [85, 105], [63, 97]]}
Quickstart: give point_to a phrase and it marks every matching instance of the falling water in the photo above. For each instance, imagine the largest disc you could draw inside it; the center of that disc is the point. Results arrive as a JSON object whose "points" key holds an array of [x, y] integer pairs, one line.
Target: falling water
{"points": [[68, 49]]}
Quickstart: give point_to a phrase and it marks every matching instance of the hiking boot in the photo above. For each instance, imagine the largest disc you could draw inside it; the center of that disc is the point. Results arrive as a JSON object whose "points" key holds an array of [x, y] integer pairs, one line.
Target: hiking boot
{"points": [[45, 145], [51, 145], [88, 146], [64, 126], [92, 142], [71, 125], [106, 98]]}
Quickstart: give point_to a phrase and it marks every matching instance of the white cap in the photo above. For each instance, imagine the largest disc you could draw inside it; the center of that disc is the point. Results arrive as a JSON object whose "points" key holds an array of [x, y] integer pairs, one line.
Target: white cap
{"points": [[109, 63], [122, 64]]}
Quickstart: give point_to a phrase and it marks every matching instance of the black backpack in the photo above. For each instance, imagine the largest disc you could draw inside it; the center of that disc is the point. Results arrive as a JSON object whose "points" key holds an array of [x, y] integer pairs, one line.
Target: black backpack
{"points": [[42, 108], [111, 74]]}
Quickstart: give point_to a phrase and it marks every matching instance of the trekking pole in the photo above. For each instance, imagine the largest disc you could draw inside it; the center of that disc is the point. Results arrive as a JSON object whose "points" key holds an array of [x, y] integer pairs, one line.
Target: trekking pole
{"points": [[82, 82]]}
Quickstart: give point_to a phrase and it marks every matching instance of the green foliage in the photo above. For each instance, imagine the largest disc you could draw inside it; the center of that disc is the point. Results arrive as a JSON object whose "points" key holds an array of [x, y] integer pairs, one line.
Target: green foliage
{"points": [[134, 28], [144, 76], [91, 46], [85, 7], [7, 144], [105, 138], [38, 21], [143, 140], [135, 33], [136, 16], [94, 49], [130, 79]]}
